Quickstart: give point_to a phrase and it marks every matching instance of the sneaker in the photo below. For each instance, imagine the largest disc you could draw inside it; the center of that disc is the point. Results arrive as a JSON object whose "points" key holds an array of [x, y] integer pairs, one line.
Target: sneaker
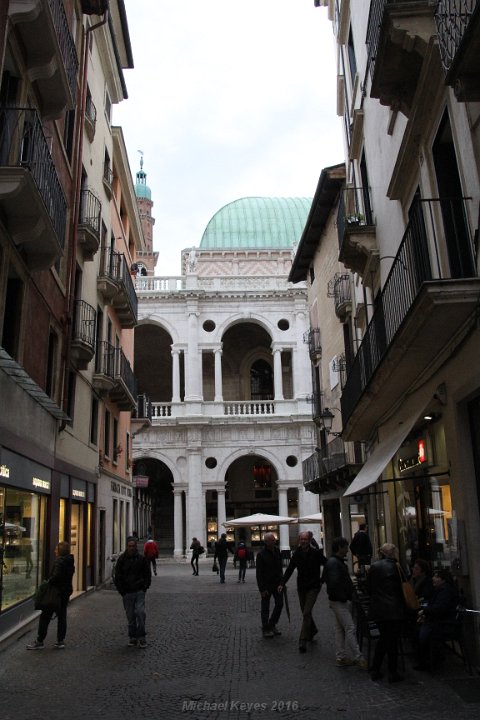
{"points": [[142, 643], [36, 645], [361, 663], [344, 662], [132, 642], [275, 631], [60, 645], [268, 633], [302, 647]]}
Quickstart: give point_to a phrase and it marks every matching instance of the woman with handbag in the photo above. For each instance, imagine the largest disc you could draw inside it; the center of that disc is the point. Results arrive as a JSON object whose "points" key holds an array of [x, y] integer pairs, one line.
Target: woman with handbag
{"points": [[61, 580]]}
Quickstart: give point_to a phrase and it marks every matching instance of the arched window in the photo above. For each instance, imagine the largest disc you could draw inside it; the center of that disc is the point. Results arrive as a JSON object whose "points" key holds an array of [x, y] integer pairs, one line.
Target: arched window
{"points": [[261, 381]]}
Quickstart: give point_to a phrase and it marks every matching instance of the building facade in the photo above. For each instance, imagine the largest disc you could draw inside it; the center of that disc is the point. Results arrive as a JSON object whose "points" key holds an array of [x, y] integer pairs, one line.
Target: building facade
{"points": [[220, 354], [68, 223], [408, 232]]}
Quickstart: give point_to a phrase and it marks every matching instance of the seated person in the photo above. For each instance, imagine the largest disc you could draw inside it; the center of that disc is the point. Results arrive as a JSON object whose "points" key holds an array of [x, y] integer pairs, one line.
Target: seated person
{"points": [[436, 620], [422, 580]]}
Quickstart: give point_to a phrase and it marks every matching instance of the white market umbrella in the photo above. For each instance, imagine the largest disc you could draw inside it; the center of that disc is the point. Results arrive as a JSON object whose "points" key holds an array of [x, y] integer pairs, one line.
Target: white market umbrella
{"points": [[260, 519], [314, 518], [11, 526]]}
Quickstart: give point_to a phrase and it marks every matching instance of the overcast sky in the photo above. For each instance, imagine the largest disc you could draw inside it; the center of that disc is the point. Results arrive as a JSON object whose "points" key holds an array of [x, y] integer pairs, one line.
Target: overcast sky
{"points": [[227, 100]]}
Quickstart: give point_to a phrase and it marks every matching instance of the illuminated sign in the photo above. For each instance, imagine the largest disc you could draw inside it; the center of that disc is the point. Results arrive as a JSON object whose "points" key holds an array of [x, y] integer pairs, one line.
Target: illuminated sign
{"points": [[79, 494], [415, 460], [422, 454], [4, 471], [39, 483], [140, 480]]}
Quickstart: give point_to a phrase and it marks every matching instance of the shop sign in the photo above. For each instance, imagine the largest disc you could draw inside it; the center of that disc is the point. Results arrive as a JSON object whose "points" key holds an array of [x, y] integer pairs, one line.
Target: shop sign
{"points": [[119, 489], [4, 471], [38, 483], [79, 489], [415, 460], [21, 472], [140, 480]]}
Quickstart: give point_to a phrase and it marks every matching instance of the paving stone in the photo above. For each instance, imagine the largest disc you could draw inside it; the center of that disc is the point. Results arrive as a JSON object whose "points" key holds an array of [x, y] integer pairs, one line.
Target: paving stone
{"points": [[206, 658]]}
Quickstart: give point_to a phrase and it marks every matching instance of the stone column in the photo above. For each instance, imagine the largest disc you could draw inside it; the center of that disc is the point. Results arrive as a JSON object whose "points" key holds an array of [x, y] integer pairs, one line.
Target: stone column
{"points": [[177, 522], [192, 359], [283, 510], [301, 365], [175, 375], [277, 373], [195, 509], [218, 375], [221, 511]]}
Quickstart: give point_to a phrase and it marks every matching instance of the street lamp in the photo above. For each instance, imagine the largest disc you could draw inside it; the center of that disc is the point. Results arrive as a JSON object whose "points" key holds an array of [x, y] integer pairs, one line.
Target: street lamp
{"points": [[326, 416]]}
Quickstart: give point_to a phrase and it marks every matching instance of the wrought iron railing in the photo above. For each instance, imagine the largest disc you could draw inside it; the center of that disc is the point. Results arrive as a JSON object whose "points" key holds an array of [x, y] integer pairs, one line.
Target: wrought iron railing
{"points": [[114, 265], [312, 339], [144, 408], [124, 372], [452, 18], [334, 456], [353, 210], [90, 211], [84, 323], [66, 44], [112, 362], [105, 359], [23, 144], [417, 261]]}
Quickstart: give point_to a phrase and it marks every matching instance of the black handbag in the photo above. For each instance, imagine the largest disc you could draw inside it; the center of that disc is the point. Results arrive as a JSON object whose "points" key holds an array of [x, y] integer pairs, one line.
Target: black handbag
{"points": [[215, 566], [47, 597]]}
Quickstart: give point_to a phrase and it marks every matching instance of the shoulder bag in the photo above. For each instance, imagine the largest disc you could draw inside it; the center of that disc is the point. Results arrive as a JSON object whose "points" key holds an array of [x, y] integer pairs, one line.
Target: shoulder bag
{"points": [[47, 597], [411, 600]]}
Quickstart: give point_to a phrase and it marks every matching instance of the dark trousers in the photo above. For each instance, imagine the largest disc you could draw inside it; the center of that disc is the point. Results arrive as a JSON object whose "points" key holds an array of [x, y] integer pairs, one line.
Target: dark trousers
{"points": [[268, 622], [44, 622], [222, 564], [154, 565], [387, 644], [307, 600], [242, 570], [194, 564]]}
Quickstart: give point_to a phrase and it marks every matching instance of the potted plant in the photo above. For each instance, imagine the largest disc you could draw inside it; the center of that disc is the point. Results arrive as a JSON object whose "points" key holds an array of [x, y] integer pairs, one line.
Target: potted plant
{"points": [[355, 218]]}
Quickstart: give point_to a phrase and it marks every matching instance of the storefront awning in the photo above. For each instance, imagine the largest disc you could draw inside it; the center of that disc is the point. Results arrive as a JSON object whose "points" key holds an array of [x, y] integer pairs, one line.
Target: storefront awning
{"points": [[386, 449]]}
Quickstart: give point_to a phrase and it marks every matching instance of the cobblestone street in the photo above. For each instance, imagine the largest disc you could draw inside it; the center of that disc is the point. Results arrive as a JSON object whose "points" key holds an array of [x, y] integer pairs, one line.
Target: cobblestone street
{"points": [[206, 658]]}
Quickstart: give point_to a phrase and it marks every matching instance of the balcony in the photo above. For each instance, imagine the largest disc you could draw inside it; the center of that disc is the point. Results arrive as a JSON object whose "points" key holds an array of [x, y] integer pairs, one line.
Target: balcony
{"points": [[114, 376], [429, 296], [89, 224], [49, 52], [357, 237], [458, 29], [94, 7], [115, 283], [399, 36], [340, 289], [124, 390], [312, 339], [32, 202], [142, 414], [332, 467], [83, 334]]}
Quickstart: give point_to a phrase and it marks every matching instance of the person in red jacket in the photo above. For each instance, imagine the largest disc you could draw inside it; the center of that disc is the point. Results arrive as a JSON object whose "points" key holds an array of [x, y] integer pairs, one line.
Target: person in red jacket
{"points": [[150, 551]]}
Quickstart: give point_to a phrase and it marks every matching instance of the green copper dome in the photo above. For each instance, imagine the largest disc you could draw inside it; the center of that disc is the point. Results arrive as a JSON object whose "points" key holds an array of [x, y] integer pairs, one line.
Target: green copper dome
{"points": [[141, 188], [257, 222]]}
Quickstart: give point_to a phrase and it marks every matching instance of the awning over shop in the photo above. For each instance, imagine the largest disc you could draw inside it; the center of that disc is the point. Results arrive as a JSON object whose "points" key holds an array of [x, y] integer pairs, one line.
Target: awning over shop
{"points": [[386, 448]]}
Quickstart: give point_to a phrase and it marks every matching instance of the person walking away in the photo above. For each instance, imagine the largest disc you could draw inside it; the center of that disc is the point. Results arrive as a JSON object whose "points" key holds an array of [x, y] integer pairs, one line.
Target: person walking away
{"points": [[340, 591], [387, 609], [221, 554], [150, 551], [269, 577], [132, 580], [361, 547], [61, 578], [241, 556], [308, 561], [196, 548]]}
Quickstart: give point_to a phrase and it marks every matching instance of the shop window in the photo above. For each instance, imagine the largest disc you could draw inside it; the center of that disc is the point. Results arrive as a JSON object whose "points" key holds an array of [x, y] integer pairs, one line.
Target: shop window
{"points": [[22, 537]]}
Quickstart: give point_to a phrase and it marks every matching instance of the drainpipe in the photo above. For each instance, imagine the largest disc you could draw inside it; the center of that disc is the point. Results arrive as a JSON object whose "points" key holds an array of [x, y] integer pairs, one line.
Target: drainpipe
{"points": [[77, 176]]}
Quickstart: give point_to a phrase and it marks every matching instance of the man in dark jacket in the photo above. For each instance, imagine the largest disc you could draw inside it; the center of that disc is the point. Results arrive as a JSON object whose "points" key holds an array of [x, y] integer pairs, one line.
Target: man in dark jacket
{"points": [[132, 580], [340, 592], [308, 561], [437, 621], [387, 609], [361, 547], [61, 578], [221, 554], [269, 578]]}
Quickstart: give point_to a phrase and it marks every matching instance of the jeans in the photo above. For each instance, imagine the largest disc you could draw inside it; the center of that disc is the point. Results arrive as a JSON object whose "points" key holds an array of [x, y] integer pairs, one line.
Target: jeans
{"points": [[194, 564], [265, 609], [242, 569], [346, 645], [44, 622], [307, 600], [134, 604], [222, 563]]}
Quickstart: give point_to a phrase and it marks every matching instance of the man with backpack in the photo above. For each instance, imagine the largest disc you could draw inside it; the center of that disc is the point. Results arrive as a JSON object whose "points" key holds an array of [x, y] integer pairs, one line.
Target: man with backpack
{"points": [[241, 555]]}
